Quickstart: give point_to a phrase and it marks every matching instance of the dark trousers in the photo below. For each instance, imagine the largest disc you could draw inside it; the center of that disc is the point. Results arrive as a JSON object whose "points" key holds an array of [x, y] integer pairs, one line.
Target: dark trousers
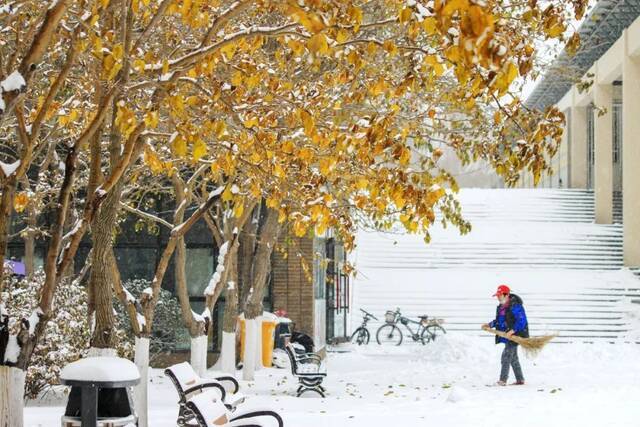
{"points": [[510, 360]]}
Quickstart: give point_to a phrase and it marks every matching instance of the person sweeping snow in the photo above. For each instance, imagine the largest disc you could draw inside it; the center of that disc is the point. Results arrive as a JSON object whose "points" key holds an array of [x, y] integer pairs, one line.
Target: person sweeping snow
{"points": [[512, 319]]}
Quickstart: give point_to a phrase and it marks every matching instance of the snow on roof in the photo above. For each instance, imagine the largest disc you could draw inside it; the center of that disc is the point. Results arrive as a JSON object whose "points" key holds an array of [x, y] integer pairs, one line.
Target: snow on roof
{"points": [[101, 369]]}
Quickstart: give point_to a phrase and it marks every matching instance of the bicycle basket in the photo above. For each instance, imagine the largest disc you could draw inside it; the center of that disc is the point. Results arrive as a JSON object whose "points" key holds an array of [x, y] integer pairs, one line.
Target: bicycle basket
{"points": [[436, 321], [425, 322], [390, 317]]}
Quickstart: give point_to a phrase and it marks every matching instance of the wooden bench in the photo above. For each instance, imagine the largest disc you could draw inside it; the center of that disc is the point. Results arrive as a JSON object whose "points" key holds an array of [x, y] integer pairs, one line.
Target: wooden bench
{"points": [[307, 368], [188, 384], [209, 411]]}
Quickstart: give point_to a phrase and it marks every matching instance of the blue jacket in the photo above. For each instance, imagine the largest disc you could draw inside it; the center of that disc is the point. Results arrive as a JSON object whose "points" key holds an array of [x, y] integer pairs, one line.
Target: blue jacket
{"points": [[512, 317]]}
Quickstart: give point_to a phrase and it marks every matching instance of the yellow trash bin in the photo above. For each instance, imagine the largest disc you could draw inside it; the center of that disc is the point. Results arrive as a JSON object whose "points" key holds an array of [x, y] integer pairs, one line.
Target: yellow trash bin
{"points": [[268, 332]]}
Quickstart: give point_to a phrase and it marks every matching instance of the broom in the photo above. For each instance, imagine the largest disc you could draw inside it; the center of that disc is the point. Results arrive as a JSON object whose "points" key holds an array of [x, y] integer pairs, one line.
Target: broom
{"points": [[532, 346]]}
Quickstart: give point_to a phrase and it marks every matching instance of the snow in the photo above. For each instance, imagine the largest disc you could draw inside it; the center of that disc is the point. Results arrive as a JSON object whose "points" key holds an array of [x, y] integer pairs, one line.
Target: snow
{"points": [[409, 386], [13, 349], [101, 369], [9, 168], [14, 81], [34, 319], [217, 275]]}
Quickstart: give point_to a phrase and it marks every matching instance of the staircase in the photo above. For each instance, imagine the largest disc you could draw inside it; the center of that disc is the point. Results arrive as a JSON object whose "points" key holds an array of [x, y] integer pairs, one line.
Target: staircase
{"points": [[543, 243]]}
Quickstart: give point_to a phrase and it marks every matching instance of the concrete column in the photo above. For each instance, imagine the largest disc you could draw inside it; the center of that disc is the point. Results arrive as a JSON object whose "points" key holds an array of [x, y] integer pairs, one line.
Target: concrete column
{"points": [[578, 146], [603, 148], [631, 156]]}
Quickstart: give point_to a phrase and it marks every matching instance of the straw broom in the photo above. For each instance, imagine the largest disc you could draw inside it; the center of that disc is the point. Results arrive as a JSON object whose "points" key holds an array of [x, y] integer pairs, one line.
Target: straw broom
{"points": [[531, 346]]}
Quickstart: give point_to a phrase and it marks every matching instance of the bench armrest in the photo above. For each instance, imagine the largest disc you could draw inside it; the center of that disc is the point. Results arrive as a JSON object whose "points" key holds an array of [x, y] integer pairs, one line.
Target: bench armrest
{"points": [[205, 385]]}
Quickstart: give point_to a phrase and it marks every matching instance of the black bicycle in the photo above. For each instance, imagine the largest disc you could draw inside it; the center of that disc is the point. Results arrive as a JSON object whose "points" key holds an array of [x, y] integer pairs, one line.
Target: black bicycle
{"points": [[391, 334], [361, 335]]}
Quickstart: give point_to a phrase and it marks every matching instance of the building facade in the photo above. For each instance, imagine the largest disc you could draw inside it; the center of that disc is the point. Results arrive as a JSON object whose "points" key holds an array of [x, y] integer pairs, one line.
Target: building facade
{"points": [[601, 102]]}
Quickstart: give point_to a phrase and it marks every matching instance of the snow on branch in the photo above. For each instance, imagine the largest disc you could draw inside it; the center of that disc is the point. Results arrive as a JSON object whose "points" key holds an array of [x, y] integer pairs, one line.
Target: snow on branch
{"points": [[14, 81], [217, 275], [9, 168]]}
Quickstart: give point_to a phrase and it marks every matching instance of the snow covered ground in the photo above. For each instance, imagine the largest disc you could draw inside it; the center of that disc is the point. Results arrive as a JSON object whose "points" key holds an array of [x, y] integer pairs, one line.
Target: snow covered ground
{"points": [[443, 383]]}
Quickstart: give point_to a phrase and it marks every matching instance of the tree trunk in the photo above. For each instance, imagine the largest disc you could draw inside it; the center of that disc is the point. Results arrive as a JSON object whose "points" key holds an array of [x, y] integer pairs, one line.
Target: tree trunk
{"points": [[230, 319], [248, 238], [100, 284], [141, 391], [267, 238], [6, 206], [199, 354], [11, 396], [30, 244]]}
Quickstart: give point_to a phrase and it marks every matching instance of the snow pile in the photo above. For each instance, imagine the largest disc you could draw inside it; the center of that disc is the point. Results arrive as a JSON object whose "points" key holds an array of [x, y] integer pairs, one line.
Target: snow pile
{"points": [[457, 394], [101, 369]]}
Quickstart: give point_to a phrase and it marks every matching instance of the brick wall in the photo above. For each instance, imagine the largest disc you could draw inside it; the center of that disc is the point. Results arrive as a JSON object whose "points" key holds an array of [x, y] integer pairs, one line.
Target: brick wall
{"points": [[292, 287]]}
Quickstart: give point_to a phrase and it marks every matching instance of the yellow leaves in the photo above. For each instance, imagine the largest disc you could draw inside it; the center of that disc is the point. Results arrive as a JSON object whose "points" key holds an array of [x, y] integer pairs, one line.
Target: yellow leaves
{"points": [[453, 6], [362, 183], [152, 160], [227, 194], [507, 75], [97, 47], [228, 51], [300, 228], [104, 3], [405, 15], [380, 86], [479, 20], [125, 120], [433, 63], [138, 65], [251, 122], [112, 63], [355, 13], [308, 122], [429, 25], [219, 128], [238, 208], [151, 119], [179, 146], [390, 47], [318, 44], [20, 202], [165, 66], [310, 20], [296, 46], [342, 35], [65, 119], [326, 165], [199, 149]]}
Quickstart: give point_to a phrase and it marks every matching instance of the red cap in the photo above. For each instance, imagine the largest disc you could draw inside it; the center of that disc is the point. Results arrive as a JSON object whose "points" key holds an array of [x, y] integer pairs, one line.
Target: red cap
{"points": [[502, 290]]}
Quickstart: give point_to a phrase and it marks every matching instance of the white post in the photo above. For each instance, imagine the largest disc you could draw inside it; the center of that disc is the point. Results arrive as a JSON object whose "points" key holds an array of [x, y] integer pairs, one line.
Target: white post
{"points": [[228, 353], [199, 354], [578, 145], [603, 141], [141, 391], [250, 342], [631, 155], [11, 396]]}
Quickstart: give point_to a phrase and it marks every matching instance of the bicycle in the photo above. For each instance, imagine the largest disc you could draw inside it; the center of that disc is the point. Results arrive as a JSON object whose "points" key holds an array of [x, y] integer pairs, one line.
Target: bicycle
{"points": [[390, 333], [361, 335]]}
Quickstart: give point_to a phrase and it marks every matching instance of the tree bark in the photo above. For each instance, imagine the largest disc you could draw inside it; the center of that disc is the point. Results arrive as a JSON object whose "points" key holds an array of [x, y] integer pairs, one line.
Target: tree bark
{"points": [[230, 319], [101, 278], [11, 396], [267, 239]]}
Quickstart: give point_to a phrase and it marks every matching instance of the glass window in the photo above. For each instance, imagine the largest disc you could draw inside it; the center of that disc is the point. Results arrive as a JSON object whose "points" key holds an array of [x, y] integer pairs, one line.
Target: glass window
{"points": [[319, 267], [136, 263], [199, 269]]}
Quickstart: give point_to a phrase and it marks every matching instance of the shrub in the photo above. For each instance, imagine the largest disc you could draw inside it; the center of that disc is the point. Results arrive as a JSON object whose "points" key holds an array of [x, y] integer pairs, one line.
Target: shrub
{"points": [[67, 335], [168, 329]]}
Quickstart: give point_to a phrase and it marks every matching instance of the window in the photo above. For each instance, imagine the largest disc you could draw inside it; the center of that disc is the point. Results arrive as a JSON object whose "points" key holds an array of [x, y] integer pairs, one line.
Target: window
{"points": [[319, 267], [199, 267]]}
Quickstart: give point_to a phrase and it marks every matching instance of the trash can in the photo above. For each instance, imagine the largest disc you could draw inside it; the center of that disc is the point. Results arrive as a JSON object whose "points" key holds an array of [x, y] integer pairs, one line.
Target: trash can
{"points": [[269, 322], [268, 325]]}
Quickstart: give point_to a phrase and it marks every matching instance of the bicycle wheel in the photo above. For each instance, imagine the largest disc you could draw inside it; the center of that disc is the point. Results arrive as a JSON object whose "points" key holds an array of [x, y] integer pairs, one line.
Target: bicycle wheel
{"points": [[426, 336], [360, 336], [434, 330], [389, 335]]}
